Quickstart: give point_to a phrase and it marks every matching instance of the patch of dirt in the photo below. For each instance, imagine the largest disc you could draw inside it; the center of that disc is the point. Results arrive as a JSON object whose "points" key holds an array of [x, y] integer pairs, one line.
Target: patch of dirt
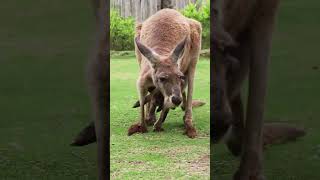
{"points": [[185, 158], [200, 166], [136, 162]]}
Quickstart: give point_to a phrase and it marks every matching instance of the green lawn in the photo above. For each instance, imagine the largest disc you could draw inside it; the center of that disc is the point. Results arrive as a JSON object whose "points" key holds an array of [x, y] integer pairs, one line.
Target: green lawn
{"points": [[293, 96], [165, 155], [43, 98]]}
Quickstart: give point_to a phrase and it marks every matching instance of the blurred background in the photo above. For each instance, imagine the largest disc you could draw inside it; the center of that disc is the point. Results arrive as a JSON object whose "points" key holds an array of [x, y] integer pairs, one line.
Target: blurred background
{"points": [[292, 96], [44, 47]]}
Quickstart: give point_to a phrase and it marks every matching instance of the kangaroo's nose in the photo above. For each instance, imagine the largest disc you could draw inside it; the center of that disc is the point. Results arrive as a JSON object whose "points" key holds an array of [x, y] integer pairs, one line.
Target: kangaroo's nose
{"points": [[176, 100]]}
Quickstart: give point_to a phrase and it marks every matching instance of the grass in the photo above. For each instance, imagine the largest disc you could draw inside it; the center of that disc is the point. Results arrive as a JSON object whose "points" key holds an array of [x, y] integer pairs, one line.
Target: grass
{"points": [[165, 155], [43, 98], [292, 96]]}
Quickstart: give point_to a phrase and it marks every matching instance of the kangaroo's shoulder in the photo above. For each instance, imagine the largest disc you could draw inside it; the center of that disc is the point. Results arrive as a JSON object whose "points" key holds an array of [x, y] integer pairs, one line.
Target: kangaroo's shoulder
{"points": [[195, 26], [195, 33]]}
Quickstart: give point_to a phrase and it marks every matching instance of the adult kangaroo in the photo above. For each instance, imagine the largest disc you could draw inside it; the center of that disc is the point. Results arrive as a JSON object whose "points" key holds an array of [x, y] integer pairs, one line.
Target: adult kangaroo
{"points": [[167, 50], [241, 47]]}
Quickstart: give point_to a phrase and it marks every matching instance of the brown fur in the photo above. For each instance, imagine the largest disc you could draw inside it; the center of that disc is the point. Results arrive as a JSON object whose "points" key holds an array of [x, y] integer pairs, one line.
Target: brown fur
{"points": [[158, 39]]}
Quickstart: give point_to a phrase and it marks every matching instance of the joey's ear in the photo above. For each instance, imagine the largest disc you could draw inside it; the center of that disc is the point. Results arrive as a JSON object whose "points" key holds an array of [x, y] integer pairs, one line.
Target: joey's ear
{"points": [[152, 56], [178, 51]]}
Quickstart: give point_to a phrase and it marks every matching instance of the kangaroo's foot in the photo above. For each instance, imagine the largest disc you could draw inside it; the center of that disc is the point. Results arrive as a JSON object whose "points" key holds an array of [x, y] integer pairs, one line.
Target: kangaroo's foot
{"points": [[250, 167], [233, 140], [190, 130], [86, 136], [137, 128]]}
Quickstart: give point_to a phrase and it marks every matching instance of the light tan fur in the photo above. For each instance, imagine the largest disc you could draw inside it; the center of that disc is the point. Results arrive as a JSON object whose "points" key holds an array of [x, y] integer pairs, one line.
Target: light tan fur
{"points": [[169, 27]]}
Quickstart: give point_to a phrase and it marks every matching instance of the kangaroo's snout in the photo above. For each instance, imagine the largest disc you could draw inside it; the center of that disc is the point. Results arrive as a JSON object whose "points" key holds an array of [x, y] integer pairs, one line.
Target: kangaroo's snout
{"points": [[176, 100]]}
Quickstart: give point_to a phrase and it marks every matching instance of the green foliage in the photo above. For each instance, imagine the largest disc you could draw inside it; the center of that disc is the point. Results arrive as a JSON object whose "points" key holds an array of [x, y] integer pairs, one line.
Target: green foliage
{"points": [[122, 29], [121, 32], [203, 16]]}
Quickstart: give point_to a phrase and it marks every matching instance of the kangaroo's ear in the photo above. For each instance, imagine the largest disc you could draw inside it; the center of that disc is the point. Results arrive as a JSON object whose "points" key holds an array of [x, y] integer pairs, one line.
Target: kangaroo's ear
{"points": [[178, 51], [152, 56]]}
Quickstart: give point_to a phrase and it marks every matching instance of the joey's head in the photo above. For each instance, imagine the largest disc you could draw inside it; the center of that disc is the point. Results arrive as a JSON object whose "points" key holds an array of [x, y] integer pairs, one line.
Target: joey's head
{"points": [[166, 74]]}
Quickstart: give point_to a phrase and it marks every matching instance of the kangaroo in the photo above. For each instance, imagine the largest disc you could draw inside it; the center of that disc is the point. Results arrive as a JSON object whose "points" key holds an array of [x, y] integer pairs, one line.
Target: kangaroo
{"points": [[167, 50], [242, 38]]}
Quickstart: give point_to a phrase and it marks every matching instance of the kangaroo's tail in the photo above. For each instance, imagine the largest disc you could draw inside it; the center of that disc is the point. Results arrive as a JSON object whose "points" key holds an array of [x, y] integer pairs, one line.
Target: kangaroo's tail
{"points": [[197, 103], [279, 133]]}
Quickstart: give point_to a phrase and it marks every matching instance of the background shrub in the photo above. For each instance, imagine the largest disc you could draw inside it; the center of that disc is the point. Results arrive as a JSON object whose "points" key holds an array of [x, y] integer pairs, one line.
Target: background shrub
{"points": [[121, 32], [203, 16], [122, 29]]}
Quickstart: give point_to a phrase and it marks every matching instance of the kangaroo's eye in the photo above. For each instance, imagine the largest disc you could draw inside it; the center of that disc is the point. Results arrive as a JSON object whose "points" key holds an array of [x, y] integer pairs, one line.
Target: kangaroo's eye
{"points": [[162, 79], [182, 77]]}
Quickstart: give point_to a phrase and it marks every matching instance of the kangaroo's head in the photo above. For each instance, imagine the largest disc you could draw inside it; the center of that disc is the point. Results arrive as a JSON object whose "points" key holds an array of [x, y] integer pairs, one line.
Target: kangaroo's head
{"points": [[166, 74]]}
